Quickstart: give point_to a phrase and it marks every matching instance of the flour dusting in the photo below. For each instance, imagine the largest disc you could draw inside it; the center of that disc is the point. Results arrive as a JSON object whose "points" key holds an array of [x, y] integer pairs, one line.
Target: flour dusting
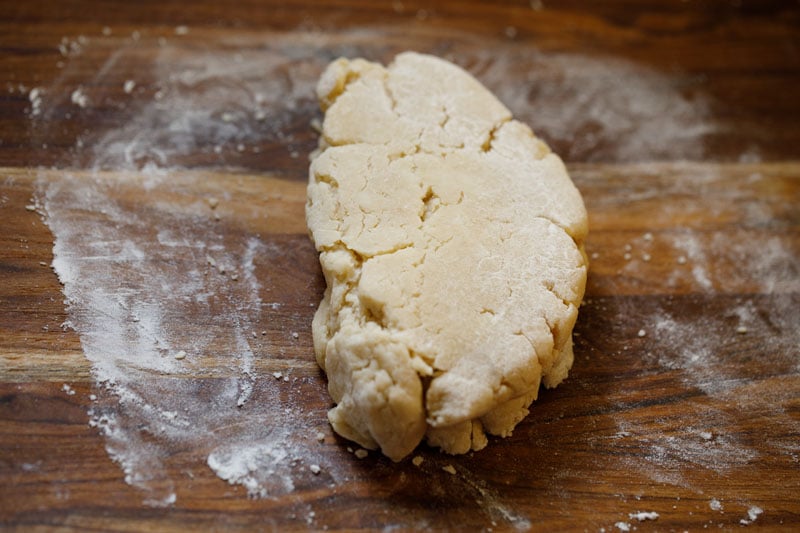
{"points": [[598, 108], [255, 466], [719, 326], [131, 275], [128, 295]]}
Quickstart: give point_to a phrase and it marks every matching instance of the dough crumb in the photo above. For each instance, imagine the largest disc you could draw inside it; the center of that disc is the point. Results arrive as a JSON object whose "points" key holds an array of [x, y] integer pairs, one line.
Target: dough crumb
{"points": [[641, 516], [642, 333], [180, 355], [752, 513], [417, 460], [361, 453], [79, 98], [315, 469], [450, 469], [623, 526]]}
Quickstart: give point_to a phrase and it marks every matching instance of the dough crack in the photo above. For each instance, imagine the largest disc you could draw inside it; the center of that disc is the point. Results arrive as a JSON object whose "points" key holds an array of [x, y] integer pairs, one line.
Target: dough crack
{"points": [[490, 137], [430, 204]]}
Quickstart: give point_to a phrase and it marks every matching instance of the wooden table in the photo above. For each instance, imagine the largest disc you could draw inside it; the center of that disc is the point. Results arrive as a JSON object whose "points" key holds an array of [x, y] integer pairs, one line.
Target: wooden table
{"points": [[159, 152]]}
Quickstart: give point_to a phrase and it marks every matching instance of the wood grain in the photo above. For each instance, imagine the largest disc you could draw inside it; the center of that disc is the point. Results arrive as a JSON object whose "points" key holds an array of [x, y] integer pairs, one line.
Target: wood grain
{"points": [[684, 397]]}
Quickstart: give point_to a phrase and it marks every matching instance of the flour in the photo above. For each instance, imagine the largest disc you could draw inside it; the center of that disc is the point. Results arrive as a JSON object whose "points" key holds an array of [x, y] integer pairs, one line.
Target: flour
{"points": [[703, 351], [752, 514], [721, 319], [35, 98], [255, 466], [641, 516], [128, 296], [79, 98], [597, 108], [490, 501]]}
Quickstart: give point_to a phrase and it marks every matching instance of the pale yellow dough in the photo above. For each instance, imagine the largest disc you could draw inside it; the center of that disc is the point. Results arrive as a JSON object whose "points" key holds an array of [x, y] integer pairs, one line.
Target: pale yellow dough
{"points": [[451, 240]]}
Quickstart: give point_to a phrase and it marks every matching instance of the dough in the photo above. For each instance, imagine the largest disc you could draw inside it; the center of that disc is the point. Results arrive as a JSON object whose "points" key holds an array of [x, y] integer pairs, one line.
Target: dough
{"points": [[451, 240]]}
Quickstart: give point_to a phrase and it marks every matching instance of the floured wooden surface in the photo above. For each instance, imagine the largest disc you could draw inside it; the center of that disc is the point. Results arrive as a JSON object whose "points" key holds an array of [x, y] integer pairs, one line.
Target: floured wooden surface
{"points": [[174, 220]]}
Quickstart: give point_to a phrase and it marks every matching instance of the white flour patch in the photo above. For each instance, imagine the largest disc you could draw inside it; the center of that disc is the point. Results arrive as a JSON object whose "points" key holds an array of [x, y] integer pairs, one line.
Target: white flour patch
{"points": [[597, 108], [641, 516], [724, 322], [674, 449], [128, 297], [746, 258], [255, 466], [491, 503], [752, 514], [703, 347], [132, 274], [212, 108], [708, 352]]}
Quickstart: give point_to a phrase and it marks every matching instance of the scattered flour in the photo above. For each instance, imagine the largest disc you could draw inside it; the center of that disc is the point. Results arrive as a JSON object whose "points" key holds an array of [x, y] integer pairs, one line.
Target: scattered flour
{"points": [[79, 98], [595, 108], [35, 98], [490, 501], [127, 296], [255, 466], [126, 293], [752, 514]]}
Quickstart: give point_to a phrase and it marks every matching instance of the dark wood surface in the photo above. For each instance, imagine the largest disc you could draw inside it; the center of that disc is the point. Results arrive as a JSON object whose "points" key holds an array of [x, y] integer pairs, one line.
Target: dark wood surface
{"points": [[679, 122]]}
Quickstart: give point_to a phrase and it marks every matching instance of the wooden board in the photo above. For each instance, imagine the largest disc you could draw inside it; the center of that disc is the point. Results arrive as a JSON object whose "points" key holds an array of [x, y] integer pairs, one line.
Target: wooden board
{"points": [[159, 155]]}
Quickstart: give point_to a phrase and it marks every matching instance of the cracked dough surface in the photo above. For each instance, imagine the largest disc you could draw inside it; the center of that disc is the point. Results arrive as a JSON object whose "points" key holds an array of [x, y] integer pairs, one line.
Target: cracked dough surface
{"points": [[451, 240]]}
